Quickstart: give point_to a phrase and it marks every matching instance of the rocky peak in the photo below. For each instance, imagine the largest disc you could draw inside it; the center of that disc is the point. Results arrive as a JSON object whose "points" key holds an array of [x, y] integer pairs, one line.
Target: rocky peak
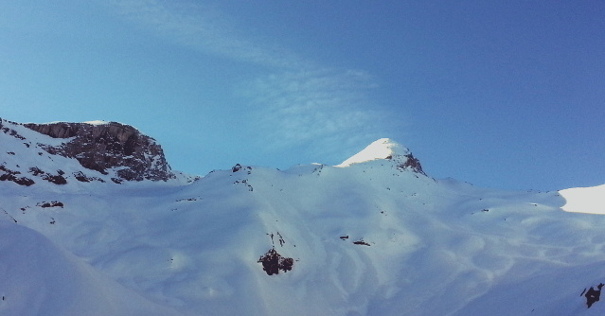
{"points": [[108, 145]]}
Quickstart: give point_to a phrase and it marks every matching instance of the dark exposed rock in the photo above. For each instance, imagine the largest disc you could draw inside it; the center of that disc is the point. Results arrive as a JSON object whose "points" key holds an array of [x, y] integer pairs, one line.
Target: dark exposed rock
{"points": [[236, 168], [80, 176], [105, 146], [592, 295], [53, 178], [280, 239], [11, 175], [50, 204], [361, 242], [36, 171], [56, 179], [409, 162], [245, 182], [239, 167], [273, 262]]}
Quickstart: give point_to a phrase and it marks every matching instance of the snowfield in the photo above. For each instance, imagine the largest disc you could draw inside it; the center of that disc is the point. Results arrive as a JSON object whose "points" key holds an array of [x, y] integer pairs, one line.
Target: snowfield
{"points": [[585, 200], [368, 237]]}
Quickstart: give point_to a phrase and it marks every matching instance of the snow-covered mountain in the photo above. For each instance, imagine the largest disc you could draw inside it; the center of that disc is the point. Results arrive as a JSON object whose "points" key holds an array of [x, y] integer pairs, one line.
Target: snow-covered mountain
{"points": [[374, 235]]}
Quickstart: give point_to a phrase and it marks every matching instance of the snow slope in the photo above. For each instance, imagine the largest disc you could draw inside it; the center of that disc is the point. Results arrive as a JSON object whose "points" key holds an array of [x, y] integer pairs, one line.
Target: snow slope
{"points": [[366, 238], [38, 278], [585, 200]]}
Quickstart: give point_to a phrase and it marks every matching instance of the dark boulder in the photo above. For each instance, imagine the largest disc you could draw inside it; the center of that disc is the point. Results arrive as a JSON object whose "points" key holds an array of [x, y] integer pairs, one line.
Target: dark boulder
{"points": [[273, 262]]}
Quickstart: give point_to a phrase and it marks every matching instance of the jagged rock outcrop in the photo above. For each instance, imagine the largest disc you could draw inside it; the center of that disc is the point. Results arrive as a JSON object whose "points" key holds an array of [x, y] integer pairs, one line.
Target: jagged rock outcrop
{"points": [[408, 162], [108, 145]]}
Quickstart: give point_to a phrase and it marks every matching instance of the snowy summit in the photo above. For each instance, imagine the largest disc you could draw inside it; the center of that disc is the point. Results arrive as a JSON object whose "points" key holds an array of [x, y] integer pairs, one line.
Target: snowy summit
{"points": [[384, 148]]}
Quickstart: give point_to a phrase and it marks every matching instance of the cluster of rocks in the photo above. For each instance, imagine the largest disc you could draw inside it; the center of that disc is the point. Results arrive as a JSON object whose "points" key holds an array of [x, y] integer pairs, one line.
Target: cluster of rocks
{"points": [[14, 176], [273, 262]]}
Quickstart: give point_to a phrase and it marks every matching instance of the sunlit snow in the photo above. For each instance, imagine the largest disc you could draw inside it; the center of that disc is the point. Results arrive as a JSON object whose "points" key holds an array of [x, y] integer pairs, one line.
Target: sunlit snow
{"points": [[584, 200], [380, 149], [97, 122], [369, 239]]}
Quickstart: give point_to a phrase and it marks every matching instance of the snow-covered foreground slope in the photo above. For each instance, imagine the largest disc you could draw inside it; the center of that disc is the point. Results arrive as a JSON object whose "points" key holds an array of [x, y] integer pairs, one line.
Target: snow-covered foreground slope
{"points": [[37, 278], [373, 236], [368, 239]]}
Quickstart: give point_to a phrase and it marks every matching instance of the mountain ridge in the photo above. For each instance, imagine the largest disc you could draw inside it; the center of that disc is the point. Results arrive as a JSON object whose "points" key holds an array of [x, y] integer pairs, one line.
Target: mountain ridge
{"points": [[376, 237], [120, 149]]}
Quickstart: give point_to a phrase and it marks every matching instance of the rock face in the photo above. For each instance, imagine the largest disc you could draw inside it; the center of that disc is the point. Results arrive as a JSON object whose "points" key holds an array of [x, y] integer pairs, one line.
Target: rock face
{"points": [[408, 162], [108, 145]]}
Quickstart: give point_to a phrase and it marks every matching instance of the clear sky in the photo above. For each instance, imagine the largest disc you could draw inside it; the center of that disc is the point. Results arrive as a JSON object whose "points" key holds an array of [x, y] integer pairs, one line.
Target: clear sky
{"points": [[505, 94]]}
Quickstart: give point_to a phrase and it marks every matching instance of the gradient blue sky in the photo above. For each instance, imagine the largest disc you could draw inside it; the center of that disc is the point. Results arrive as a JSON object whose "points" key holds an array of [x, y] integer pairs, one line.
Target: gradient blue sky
{"points": [[504, 94]]}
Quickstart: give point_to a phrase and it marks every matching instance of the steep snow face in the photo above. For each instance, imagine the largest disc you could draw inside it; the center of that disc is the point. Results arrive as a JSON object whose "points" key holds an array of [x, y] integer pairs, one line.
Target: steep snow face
{"points": [[384, 148], [585, 200]]}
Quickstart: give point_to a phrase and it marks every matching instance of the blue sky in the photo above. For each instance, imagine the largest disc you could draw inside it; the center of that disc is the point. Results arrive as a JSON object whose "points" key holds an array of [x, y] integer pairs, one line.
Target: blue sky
{"points": [[504, 94]]}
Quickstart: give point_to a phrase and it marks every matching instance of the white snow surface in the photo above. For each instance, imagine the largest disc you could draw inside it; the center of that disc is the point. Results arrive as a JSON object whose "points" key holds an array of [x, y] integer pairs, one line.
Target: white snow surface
{"points": [[38, 278], [370, 239], [585, 200], [380, 149], [96, 122]]}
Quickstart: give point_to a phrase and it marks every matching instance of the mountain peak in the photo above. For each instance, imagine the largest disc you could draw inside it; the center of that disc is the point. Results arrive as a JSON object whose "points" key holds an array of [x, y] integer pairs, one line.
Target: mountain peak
{"points": [[386, 149]]}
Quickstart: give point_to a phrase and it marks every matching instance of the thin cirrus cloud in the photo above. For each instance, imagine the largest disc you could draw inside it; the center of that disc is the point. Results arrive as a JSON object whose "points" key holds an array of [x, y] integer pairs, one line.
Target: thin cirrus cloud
{"points": [[204, 29], [296, 102], [321, 106]]}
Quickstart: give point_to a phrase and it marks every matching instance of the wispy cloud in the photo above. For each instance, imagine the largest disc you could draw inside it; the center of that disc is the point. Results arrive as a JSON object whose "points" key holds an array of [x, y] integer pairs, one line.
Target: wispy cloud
{"points": [[330, 109], [204, 28], [295, 102]]}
